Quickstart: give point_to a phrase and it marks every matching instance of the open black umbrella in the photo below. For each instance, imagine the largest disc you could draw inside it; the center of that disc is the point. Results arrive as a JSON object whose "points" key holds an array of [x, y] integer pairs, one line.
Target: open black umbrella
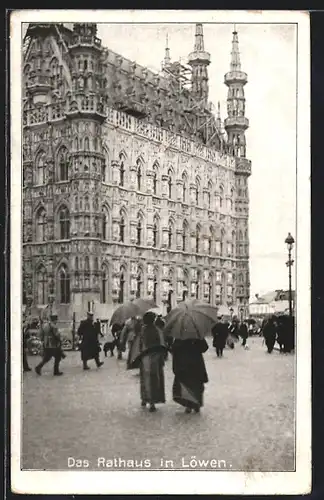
{"points": [[137, 307], [190, 320]]}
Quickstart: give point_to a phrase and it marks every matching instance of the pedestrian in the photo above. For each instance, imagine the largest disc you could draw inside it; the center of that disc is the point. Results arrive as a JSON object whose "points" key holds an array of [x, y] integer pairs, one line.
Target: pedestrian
{"points": [[116, 330], [219, 333], [26, 337], [110, 342], [135, 345], [160, 324], [190, 373], [89, 346], [51, 339], [270, 333], [281, 333], [234, 328], [244, 333], [152, 387]]}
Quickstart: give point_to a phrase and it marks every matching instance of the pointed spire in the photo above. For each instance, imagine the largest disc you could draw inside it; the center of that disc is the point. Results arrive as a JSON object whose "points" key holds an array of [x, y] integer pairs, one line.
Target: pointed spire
{"points": [[235, 54], [199, 38], [218, 118], [167, 58]]}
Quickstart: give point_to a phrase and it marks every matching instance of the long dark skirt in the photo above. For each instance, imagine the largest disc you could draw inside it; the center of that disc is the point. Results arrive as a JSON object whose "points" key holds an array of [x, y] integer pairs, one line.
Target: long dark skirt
{"points": [[188, 393], [152, 378], [133, 360], [89, 351]]}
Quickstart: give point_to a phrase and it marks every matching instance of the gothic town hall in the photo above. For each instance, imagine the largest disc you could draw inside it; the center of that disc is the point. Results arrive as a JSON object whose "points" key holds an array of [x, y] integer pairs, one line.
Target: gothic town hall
{"points": [[132, 185]]}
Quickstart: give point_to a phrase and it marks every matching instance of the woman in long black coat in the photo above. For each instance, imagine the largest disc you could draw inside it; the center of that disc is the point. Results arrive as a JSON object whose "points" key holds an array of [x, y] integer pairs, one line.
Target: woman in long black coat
{"points": [[190, 373]]}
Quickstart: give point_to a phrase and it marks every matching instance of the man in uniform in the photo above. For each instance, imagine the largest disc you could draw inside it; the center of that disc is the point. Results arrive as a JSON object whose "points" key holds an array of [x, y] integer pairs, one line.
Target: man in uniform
{"points": [[52, 345], [89, 346]]}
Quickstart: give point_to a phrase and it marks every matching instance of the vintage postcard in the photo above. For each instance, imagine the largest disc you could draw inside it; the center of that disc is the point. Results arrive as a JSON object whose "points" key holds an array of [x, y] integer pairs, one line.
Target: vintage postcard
{"points": [[160, 252]]}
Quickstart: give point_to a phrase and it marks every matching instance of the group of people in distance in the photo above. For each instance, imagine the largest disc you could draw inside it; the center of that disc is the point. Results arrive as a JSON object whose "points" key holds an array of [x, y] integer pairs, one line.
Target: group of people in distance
{"points": [[148, 348], [280, 329]]}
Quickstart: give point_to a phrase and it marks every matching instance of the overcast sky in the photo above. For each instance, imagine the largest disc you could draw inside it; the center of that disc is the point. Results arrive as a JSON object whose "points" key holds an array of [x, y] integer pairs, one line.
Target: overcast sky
{"points": [[268, 56]]}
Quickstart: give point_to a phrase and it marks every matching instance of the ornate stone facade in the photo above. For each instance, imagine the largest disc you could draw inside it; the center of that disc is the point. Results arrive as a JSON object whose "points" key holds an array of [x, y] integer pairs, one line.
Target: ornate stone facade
{"points": [[116, 203]]}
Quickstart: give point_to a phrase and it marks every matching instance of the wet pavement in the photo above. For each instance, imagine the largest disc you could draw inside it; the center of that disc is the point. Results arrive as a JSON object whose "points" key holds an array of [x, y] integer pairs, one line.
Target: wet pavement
{"points": [[93, 420]]}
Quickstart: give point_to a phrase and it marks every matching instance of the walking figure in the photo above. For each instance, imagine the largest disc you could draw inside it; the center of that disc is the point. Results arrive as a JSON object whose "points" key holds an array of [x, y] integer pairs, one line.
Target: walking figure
{"points": [[51, 339], [220, 333], [89, 347]]}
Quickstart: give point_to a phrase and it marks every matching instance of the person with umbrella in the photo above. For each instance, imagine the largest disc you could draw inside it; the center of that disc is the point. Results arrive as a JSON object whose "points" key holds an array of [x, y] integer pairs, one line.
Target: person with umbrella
{"points": [[151, 363], [188, 324]]}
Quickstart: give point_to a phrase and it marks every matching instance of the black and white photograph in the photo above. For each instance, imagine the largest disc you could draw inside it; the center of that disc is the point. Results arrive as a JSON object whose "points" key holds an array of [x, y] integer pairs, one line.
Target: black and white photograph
{"points": [[160, 252]]}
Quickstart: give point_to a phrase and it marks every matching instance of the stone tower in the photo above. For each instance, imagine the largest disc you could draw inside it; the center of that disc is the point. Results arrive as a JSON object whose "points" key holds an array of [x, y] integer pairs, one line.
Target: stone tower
{"points": [[235, 125], [199, 61], [85, 110]]}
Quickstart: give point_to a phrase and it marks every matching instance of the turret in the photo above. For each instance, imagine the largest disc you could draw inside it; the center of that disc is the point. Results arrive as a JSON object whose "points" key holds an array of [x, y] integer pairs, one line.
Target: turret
{"points": [[167, 57], [236, 123], [199, 61]]}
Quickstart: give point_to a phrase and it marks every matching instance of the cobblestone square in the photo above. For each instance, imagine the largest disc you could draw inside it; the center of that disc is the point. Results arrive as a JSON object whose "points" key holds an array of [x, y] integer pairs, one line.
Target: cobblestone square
{"points": [[247, 419]]}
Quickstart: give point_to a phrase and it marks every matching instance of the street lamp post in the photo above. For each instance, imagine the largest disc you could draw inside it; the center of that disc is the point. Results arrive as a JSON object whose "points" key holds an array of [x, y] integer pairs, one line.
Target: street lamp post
{"points": [[290, 243]]}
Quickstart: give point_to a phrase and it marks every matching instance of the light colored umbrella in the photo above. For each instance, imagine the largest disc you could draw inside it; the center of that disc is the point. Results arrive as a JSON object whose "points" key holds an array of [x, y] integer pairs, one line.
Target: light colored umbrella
{"points": [[190, 320], [137, 307]]}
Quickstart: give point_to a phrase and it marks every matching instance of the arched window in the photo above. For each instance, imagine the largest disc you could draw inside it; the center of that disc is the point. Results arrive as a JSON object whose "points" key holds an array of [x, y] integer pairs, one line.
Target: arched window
{"points": [[198, 284], [86, 144], [139, 283], [41, 286], [170, 234], [184, 187], [86, 264], [155, 285], [103, 171], [139, 175], [155, 231], [104, 284], [64, 221], [121, 170], [210, 286], [104, 224], [64, 284], [155, 174], [210, 241], [40, 169], [197, 189], [139, 229], [122, 228], [95, 264], [209, 195], [41, 224], [63, 165], [170, 184], [221, 196], [76, 265], [197, 238], [184, 236], [121, 286]]}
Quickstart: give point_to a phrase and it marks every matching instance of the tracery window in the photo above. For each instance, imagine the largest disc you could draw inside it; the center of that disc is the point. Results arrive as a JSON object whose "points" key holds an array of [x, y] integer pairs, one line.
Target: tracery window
{"points": [[41, 224], [64, 223], [41, 286], [64, 284]]}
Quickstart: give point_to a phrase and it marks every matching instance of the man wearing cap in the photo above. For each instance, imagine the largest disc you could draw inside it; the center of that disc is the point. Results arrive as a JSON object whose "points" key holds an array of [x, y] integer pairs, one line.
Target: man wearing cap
{"points": [[52, 345], [89, 346]]}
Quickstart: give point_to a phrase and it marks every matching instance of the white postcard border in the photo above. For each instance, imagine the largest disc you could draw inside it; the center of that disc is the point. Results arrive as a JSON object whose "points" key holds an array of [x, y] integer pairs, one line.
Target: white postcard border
{"points": [[167, 482]]}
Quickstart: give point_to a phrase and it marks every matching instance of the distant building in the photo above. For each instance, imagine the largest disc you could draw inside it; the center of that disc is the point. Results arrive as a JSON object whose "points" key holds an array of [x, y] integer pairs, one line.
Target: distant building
{"points": [[132, 186], [271, 303]]}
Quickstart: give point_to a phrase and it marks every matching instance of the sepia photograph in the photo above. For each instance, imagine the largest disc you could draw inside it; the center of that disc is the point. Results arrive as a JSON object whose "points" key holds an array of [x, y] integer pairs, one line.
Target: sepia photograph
{"points": [[160, 228]]}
